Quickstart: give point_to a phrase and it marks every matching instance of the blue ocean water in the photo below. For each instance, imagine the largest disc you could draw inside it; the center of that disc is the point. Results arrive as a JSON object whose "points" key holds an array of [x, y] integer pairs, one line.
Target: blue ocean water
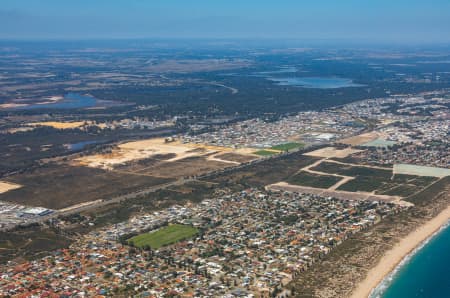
{"points": [[426, 273]]}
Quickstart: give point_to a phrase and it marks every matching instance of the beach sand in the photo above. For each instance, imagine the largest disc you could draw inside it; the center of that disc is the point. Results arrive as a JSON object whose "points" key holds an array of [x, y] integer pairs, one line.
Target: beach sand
{"points": [[394, 256]]}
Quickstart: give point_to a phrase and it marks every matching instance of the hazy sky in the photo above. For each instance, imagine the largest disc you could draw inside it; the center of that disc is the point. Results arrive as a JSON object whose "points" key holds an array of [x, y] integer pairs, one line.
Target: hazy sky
{"points": [[377, 20]]}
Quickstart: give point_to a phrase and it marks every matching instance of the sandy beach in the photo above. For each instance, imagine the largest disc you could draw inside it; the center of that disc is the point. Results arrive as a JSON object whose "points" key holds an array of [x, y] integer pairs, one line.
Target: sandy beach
{"points": [[395, 255]]}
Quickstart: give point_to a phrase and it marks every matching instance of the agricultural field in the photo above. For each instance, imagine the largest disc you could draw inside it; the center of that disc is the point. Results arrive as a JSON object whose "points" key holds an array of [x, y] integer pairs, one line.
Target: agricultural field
{"points": [[164, 236], [264, 173], [376, 180], [313, 180]]}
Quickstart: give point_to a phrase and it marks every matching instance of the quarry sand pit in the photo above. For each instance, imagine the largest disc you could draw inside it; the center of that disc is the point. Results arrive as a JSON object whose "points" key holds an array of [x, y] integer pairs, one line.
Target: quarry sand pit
{"points": [[142, 149]]}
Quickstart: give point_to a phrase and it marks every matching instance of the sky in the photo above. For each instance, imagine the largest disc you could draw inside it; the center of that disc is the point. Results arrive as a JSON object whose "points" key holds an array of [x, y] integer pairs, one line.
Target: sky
{"points": [[418, 21]]}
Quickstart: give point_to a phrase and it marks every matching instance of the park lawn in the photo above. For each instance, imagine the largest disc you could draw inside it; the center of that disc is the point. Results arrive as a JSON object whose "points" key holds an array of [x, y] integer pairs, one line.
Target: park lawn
{"points": [[287, 146], [265, 152], [164, 236]]}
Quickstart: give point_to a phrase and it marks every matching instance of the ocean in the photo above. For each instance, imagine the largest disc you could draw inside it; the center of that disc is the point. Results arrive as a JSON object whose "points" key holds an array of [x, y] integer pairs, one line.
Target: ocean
{"points": [[424, 273]]}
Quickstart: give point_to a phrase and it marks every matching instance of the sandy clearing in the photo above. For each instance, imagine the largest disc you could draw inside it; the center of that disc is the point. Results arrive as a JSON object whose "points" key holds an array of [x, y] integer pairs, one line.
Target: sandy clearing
{"points": [[330, 152], [215, 158], [360, 139], [80, 205], [7, 186], [208, 147], [136, 150], [393, 257], [247, 151], [59, 125], [143, 149]]}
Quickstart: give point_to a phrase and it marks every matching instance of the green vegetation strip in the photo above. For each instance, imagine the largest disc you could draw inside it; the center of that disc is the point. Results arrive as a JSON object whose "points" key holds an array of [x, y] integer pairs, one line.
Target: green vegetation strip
{"points": [[287, 146], [165, 236]]}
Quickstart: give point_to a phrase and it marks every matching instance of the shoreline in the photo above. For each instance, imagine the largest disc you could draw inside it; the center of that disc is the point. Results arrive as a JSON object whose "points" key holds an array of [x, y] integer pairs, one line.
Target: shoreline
{"points": [[393, 257]]}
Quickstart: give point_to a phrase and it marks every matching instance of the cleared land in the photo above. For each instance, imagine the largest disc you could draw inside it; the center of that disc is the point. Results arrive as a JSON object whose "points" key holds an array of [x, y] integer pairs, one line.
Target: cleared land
{"points": [[421, 170], [165, 236], [59, 125], [166, 159], [7, 186], [360, 139], [131, 151], [330, 152], [240, 158], [129, 167]]}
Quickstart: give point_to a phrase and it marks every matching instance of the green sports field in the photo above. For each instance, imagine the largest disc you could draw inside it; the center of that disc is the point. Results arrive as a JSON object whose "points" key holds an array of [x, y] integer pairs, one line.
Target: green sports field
{"points": [[287, 146], [164, 236]]}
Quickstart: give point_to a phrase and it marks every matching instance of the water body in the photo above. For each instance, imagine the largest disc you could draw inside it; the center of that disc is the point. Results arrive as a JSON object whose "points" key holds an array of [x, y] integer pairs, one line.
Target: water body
{"points": [[70, 101], [283, 77], [287, 69], [80, 145], [314, 82], [426, 273]]}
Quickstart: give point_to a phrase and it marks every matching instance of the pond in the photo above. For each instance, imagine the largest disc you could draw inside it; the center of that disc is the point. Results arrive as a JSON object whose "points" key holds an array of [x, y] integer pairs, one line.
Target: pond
{"points": [[79, 145], [70, 101]]}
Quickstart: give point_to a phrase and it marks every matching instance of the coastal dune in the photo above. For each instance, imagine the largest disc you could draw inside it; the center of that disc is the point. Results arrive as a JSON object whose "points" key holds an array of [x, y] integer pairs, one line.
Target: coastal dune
{"points": [[394, 256]]}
